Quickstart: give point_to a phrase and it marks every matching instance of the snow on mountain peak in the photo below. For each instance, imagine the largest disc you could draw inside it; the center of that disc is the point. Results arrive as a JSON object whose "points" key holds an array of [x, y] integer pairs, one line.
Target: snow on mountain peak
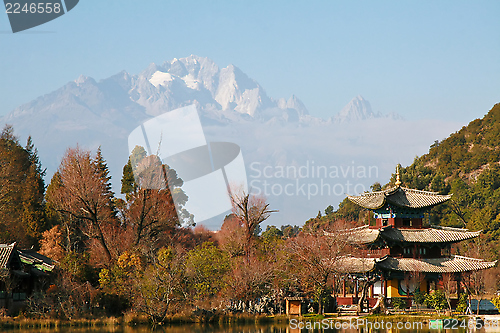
{"points": [[191, 82], [160, 78]]}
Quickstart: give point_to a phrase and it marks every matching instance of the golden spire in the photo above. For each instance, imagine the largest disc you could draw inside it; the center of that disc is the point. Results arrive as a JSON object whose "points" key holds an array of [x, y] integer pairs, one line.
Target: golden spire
{"points": [[398, 179]]}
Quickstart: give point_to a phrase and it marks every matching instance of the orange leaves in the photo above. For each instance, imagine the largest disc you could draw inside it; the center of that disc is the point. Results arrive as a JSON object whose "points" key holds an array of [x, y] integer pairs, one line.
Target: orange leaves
{"points": [[83, 197]]}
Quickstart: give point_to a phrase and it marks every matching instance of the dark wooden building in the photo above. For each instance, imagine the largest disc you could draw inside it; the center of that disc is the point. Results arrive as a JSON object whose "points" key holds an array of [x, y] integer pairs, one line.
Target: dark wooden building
{"points": [[22, 272]]}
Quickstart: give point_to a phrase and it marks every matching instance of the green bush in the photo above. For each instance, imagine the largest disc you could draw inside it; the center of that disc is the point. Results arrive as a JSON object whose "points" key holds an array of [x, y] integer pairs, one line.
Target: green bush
{"points": [[399, 303], [437, 300], [419, 297], [462, 303]]}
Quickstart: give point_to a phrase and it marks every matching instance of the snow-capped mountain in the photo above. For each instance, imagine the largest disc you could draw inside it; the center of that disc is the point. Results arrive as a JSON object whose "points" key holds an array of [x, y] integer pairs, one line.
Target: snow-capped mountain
{"points": [[274, 134], [198, 80], [359, 109], [93, 113]]}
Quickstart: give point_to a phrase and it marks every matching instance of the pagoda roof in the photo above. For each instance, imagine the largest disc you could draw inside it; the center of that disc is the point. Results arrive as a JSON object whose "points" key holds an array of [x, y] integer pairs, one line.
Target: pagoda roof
{"points": [[453, 264], [359, 235], [434, 234], [350, 264], [399, 196]]}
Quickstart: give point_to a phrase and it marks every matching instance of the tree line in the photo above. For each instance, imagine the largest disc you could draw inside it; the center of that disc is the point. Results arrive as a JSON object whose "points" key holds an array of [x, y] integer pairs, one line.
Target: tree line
{"points": [[140, 252]]}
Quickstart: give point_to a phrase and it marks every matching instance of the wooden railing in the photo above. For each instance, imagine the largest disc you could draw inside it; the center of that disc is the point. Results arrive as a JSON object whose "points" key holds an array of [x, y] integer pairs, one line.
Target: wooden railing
{"points": [[376, 253]]}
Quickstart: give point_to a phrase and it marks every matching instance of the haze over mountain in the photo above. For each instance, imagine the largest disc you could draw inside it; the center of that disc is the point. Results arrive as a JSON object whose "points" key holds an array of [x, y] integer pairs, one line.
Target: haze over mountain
{"points": [[272, 133], [359, 109]]}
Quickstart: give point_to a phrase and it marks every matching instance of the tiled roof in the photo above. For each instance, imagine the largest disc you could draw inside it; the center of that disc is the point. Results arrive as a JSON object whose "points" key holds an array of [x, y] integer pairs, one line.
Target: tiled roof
{"points": [[359, 235], [39, 261], [30, 257], [453, 264], [349, 264], [434, 234], [399, 196], [5, 254]]}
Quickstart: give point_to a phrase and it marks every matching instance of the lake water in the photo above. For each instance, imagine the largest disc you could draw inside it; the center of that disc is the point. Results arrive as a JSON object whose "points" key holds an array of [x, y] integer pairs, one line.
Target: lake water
{"points": [[448, 326]]}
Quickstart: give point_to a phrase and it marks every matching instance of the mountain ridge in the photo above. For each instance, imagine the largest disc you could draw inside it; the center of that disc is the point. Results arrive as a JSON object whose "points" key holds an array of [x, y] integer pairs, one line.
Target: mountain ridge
{"points": [[271, 132]]}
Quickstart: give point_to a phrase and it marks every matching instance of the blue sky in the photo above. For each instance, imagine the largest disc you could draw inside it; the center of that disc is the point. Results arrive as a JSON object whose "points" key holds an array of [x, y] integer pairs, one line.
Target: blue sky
{"points": [[421, 59]]}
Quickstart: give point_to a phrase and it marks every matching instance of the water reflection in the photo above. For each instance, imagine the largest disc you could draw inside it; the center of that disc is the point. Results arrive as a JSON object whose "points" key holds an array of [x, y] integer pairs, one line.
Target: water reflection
{"points": [[272, 328]]}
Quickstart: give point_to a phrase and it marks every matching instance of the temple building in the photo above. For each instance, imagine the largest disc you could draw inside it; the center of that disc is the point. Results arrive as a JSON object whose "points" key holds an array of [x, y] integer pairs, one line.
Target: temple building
{"points": [[404, 254], [22, 273]]}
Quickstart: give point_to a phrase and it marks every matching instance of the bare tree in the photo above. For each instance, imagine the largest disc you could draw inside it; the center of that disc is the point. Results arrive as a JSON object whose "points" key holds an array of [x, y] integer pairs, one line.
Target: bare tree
{"points": [[251, 211], [250, 280], [475, 281], [449, 286], [316, 259]]}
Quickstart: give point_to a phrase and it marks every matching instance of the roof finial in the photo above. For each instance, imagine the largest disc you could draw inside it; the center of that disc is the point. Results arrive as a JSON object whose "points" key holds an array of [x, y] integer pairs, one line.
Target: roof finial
{"points": [[398, 179]]}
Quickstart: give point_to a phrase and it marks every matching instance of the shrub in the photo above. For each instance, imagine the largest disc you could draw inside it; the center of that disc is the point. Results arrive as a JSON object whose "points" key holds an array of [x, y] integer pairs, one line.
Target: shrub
{"points": [[399, 303], [437, 300], [462, 302], [419, 297]]}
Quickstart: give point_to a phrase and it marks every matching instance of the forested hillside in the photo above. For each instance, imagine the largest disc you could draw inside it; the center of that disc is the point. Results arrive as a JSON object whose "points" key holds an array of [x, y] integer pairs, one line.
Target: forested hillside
{"points": [[467, 165]]}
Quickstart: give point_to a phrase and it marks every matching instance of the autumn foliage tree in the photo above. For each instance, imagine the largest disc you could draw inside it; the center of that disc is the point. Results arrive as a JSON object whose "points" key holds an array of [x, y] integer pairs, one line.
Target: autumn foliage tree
{"points": [[51, 243], [154, 197], [84, 198], [231, 236]]}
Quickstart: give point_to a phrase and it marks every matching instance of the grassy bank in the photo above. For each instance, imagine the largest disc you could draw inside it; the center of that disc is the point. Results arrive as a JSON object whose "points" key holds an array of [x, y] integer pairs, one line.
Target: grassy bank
{"points": [[139, 320], [27, 323]]}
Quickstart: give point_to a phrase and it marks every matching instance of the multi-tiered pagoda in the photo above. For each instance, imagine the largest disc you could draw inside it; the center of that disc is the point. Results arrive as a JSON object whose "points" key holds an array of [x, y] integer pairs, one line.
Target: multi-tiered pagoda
{"points": [[407, 255]]}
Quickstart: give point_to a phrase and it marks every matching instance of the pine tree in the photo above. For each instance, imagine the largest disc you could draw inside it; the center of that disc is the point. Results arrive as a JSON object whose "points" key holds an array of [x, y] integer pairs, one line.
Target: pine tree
{"points": [[21, 191], [102, 168], [129, 185]]}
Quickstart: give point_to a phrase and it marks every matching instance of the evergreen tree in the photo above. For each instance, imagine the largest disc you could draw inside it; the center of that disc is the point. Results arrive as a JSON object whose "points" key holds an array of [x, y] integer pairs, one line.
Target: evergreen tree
{"points": [[129, 185], [21, 191], [329, 210], [103, 170], [51, 213]]}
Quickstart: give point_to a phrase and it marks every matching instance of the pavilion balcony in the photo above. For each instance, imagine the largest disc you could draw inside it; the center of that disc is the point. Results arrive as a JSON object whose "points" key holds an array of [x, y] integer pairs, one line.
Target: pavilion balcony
{"points": [[373, 253]]}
